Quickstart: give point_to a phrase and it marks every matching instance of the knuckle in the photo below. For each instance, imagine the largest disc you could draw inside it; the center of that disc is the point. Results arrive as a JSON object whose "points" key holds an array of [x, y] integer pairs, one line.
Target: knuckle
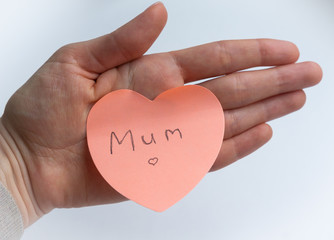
{"points": [[225, 56]]}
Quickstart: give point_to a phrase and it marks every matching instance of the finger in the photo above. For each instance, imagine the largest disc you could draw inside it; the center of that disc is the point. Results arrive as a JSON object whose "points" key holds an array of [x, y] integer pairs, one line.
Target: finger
{"points": [[242, 145], [219, 58], [243, 88], [242, 119], [123, 45]]}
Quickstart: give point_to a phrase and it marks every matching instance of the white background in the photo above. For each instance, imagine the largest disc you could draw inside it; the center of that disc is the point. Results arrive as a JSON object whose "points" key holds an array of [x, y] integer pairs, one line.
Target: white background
{"points": [[283, 191]]}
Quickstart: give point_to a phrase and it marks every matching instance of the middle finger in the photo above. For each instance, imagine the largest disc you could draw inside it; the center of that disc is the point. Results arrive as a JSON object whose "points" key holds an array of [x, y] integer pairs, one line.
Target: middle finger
{"points": [[243, 88]]}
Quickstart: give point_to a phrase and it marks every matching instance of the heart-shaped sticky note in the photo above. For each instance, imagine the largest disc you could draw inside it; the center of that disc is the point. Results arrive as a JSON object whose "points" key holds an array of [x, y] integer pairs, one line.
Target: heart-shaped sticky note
{"points": [[155, 152]]}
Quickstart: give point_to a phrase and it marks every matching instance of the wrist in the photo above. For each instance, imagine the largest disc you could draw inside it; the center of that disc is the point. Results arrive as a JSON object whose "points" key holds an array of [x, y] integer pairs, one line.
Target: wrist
{"points": [[14, 176]]}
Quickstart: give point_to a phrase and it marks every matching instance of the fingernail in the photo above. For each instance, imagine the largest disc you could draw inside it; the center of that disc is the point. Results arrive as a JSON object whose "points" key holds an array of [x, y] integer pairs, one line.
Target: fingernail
{"points": [[156, 3]]}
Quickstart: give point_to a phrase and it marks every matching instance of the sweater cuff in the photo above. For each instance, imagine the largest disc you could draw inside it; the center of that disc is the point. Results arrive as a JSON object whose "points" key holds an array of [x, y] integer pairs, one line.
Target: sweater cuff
{"points": [[11, 223]]}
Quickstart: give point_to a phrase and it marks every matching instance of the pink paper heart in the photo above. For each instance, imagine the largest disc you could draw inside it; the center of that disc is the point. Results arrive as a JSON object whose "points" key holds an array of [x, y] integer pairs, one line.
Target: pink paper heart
{"points": [[155, 152]]}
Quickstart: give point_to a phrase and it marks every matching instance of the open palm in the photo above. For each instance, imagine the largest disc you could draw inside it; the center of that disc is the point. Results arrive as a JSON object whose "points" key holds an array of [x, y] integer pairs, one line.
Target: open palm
{"points": [[46, 117]]}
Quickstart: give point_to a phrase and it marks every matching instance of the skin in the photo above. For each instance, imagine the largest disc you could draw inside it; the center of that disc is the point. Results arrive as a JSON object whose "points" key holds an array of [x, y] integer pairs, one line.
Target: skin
{"points": [[45, 161]]}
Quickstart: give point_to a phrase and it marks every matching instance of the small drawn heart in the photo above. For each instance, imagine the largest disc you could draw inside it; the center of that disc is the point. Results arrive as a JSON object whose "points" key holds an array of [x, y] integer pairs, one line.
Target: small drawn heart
{"points": [[183, 127], [153, 161]]}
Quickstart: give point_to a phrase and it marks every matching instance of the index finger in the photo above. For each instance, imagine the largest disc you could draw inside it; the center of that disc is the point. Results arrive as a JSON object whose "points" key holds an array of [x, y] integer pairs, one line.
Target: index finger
{"points": [[223, 57]]}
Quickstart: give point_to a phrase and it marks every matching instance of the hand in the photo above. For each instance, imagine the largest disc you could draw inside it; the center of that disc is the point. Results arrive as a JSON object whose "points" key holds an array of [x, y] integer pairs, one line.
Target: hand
{"points": [[45, 120]]}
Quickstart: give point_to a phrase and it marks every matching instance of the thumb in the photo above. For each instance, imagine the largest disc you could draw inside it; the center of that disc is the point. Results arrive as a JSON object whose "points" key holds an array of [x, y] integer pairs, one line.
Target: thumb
{"points": [[128, 42]]}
